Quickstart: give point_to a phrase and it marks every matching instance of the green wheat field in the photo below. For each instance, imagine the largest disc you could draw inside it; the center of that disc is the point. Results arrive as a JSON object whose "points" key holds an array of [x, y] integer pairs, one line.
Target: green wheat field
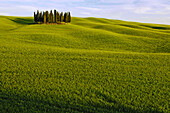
{"points": [[91, 65]]}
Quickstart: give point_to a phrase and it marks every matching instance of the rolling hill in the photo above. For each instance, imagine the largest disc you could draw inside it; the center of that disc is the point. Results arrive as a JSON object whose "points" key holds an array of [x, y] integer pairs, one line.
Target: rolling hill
{"points": [[89, 65]]}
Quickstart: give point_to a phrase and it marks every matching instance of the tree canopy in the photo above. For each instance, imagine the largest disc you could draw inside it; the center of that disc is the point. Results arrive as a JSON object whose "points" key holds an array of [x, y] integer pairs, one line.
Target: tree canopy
{"points": [[52, 17]]}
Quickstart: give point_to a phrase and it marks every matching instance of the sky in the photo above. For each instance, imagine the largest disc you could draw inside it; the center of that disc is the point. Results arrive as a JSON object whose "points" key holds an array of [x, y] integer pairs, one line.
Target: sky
{"points": [[147, 11]]}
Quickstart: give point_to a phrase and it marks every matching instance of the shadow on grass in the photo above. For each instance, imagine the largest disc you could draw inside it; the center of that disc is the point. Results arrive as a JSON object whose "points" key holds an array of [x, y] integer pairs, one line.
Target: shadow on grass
{"points": [[129, 25], [15, 103], [157, 27], [24, 21], [29, 21]]}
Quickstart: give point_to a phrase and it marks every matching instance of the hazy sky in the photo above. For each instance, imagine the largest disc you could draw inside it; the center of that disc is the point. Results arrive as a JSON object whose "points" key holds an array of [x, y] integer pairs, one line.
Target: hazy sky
{"points": [[156, 11]]}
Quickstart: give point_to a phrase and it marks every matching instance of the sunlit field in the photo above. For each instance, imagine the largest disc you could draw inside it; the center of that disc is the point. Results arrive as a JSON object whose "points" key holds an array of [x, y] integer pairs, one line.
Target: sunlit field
{"points": [[89, 65]]}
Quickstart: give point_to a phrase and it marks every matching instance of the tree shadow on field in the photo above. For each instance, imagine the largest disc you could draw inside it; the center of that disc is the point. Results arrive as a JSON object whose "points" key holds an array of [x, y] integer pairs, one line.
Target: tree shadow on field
{"points": [[157, 27], [24, 21], [119, 107], [22, 103]]}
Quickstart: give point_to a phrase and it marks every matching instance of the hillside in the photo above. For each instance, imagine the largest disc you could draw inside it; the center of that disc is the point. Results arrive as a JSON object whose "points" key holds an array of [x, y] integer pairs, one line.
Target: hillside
{"points": [[89, 65]]}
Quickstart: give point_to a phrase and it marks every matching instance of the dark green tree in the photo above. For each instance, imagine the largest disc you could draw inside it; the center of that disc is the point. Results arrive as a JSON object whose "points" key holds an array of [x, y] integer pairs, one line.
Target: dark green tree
{"points": [[69, 17], [41, 17], [55, 16], [66, 17], [61, 17], [51, 16], [35, 17], [38, 16], [47, 17], [58, 17]]}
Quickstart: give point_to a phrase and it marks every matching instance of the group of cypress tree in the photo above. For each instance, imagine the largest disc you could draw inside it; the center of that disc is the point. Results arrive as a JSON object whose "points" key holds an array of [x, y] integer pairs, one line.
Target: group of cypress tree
{"points": [[51, 17]]}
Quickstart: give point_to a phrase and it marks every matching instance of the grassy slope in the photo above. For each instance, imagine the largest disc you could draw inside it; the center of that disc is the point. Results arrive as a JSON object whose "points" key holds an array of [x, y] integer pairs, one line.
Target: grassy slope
{"points": [[89, 65]]}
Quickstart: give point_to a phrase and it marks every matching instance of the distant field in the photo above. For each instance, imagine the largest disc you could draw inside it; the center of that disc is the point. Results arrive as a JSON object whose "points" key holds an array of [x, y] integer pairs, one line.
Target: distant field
{"points": [[90, 65]]}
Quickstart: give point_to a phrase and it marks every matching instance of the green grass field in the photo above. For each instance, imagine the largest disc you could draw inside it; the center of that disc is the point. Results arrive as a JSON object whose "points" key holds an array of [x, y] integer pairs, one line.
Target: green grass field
{"points": [[89, 65]]}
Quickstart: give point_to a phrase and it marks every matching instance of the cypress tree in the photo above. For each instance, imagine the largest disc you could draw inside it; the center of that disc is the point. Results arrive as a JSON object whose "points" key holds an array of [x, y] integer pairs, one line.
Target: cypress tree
{"points": [[35, 18], [66, 17], [38, 16], [55, 16], [45, 20], [47, 16], [58, 17], [41, 17], [61, 17], [69, 17], [51, 16]]}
